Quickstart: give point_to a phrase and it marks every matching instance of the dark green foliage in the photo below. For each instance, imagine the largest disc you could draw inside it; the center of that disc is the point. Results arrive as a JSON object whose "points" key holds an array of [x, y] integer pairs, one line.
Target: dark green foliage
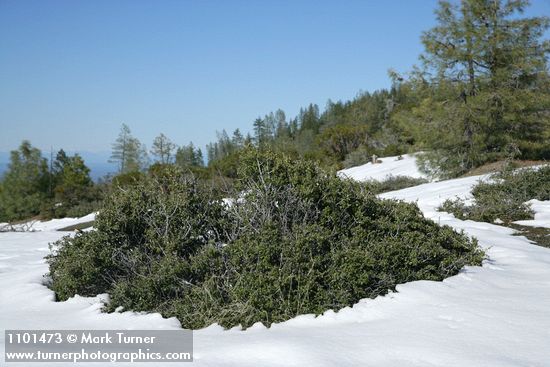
{"points": [[188, 156], [83, 267], [225, 145], [30, 189], [160, 220], [25, 185], [339, 133], [295, 240], [74, 193], [226, 166], [484, 92], [504, 198], [132, 178], [309, 118], [340, 140]]}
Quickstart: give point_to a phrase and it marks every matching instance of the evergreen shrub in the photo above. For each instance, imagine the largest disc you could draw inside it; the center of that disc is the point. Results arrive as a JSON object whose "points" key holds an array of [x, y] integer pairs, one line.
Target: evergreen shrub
{"points": [[504, 197], [292, 240]]}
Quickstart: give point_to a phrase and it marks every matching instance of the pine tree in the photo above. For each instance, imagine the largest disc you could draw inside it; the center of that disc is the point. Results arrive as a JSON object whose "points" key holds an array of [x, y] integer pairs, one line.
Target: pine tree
{"points": [[163, 149], [72, 177], [212, 151], [270, 124], [293, 127], [282, 126], [25, 184], [309, 118], [237, 139], [189, 156], [225, 144], [487, 90], [261, 132], [198, 158], [128, 152], [59, 162]]}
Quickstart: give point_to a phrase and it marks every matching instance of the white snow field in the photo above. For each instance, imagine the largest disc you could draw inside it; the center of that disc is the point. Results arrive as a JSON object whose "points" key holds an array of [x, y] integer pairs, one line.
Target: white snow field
{"points": [[495, 315], [390, 166]]}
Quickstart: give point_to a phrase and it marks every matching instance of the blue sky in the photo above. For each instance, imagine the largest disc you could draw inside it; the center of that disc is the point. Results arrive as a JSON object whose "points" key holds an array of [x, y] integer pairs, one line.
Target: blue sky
{"points": [[72, 71]]}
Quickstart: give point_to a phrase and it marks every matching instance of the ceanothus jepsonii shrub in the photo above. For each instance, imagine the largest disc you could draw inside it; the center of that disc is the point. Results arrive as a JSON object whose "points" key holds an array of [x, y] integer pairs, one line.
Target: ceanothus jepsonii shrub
{"points": [[293, 240]]}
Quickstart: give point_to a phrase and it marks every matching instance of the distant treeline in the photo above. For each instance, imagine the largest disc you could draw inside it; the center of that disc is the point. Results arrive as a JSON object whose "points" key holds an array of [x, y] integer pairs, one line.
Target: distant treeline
{"points": [[481, 94], [33, 186]]}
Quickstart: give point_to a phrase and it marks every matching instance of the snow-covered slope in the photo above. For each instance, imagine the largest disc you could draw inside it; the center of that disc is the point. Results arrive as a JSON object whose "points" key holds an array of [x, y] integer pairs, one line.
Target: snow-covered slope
{"points": [[542, 214], [495, 315], [390, 166]]}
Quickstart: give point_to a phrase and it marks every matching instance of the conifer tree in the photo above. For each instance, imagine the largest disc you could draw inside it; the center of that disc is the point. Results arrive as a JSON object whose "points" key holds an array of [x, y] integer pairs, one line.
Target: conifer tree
{"points": [[485, 85], [163, 149], [189, 156], [25, 184], [72, 177], [128, 152], [261, 132], [237, 139], [309, 118]]}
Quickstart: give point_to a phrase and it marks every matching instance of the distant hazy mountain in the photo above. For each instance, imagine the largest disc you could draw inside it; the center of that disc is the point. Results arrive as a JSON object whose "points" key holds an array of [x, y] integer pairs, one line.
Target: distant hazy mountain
{"points": [[98, 162]]}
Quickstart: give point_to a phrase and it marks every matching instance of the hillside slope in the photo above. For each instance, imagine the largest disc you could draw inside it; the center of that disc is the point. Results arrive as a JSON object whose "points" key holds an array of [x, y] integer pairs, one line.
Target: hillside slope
{"points": [[495, 315], [404, 165]]}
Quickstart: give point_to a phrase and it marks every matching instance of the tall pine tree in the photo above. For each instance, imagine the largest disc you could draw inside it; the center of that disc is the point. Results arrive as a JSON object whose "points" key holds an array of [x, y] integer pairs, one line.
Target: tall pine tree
{"points": [[485, 85], [128, 152]]}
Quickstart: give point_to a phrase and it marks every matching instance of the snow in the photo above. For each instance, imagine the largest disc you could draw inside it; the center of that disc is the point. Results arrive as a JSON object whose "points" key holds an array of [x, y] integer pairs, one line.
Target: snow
{"points": [[51, 225], [390, 166], [495, 315], [542, 214]]}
